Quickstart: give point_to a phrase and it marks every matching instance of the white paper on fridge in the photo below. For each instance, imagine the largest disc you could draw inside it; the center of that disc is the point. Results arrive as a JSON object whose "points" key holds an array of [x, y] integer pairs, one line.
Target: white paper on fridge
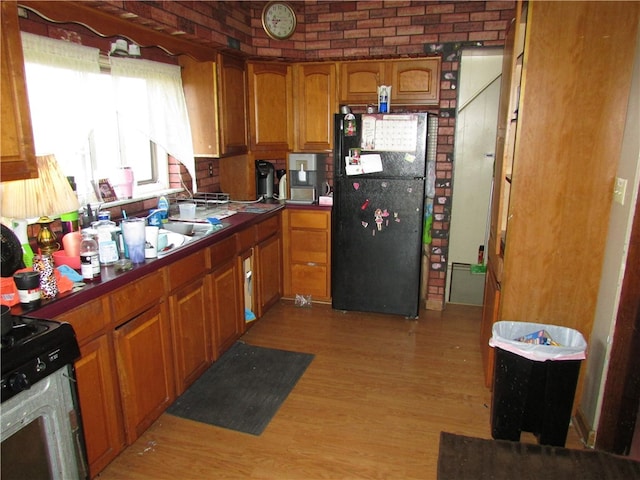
{"points": [[370, 163]]}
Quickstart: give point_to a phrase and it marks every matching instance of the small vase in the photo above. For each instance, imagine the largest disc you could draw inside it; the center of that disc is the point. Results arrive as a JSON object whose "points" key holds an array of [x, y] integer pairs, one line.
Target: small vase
{"points": [[43, 264]]}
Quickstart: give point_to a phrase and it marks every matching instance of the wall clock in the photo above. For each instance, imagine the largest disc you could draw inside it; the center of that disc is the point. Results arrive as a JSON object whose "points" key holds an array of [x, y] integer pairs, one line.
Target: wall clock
{"points": [[279, 20]]}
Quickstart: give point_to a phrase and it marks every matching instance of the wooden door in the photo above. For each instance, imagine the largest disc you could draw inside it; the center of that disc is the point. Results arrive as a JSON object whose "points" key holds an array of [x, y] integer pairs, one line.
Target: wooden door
{"points": [[191, 338], [359, 82], [270, 106], [269, 273], [145, 369], [314, 105], [232, 95], [99, 403], [226, 299], [17, 152], [414, 82]]}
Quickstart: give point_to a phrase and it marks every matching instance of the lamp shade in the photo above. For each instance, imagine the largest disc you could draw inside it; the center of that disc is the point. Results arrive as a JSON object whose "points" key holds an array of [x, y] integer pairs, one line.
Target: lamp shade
{"points": [[48, 195]]}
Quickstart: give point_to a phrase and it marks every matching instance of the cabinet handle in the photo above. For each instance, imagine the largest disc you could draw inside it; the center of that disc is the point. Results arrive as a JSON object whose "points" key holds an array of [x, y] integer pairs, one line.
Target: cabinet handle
{"points": [[312, 264]]}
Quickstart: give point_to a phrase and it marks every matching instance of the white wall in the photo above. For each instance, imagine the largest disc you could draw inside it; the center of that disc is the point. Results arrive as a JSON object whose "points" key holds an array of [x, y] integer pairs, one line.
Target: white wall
{"points": [[618, 234]]}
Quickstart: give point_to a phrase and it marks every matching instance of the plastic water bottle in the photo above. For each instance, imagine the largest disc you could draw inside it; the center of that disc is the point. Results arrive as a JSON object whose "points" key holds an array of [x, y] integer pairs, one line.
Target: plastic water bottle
{"points": [[89, 256]]}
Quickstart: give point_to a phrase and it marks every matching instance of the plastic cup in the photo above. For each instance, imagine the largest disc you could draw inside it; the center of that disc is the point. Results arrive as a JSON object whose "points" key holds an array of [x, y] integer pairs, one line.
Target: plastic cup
{"points": [[187, 210], [71, 243], [151, 242], [133, 230]]}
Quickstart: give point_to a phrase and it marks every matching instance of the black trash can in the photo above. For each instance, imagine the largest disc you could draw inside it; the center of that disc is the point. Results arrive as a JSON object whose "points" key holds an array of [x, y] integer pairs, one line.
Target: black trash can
{"points": [[534, 384]]}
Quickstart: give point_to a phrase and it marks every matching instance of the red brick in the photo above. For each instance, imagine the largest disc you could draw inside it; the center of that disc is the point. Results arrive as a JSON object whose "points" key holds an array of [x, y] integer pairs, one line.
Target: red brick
{"points": [[396, 40], [412, 30], [482, 36], [383, 32], [454, 17], [441, 8], [356, 33]]}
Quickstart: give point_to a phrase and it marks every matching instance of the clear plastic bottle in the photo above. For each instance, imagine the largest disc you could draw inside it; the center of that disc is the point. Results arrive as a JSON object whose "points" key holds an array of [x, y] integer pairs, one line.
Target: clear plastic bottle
{"points": [[89, 255]]}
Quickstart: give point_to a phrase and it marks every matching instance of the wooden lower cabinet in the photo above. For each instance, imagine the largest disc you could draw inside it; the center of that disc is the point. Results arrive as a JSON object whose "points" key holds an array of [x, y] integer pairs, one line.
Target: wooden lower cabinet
{"points": [[99, 403], [191, 332], [97, 377], [145, 368], [307, 253], [226, 301], [268, 273]]}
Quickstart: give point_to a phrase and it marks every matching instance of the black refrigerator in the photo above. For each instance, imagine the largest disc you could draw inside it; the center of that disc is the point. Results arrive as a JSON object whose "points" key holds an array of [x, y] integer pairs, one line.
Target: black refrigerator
{"points": [[378, 207]]}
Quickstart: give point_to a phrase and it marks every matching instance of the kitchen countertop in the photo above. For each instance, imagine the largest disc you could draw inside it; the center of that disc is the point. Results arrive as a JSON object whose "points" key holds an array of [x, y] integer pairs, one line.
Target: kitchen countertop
{"points": [[111, 280]]}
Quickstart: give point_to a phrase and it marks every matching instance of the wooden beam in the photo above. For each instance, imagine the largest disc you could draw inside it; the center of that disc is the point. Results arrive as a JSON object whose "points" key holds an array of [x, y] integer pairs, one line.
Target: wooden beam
{"points": [[108, 25]]}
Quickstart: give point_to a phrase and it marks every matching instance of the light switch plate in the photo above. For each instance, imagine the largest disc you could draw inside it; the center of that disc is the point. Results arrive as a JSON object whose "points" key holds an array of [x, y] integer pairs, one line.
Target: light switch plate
{"points": [[620, 190]]}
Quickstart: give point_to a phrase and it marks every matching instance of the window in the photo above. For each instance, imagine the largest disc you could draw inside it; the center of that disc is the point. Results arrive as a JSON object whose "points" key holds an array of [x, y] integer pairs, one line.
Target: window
{"points": [[95, 122]]}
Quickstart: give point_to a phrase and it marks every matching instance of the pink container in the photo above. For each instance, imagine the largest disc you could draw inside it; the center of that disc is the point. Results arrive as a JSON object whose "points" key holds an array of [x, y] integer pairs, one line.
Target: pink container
{"points": [[122, 182]]}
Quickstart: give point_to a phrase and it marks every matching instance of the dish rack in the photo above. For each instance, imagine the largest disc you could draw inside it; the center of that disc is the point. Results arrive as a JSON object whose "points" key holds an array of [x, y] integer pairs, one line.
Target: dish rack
{"points": [[205, 199]]}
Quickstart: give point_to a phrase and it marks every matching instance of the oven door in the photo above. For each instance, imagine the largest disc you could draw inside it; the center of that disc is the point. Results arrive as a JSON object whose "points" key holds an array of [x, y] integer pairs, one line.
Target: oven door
{"points": [[42, 432]]}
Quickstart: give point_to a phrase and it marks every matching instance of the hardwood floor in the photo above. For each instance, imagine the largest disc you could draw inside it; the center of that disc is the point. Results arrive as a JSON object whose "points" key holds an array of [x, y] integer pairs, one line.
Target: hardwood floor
{"points": [[372, 403]]}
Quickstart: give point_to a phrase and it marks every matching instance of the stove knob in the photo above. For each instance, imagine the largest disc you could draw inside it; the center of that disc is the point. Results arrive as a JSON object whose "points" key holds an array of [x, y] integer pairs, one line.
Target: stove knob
{"points": [[19, 382]]}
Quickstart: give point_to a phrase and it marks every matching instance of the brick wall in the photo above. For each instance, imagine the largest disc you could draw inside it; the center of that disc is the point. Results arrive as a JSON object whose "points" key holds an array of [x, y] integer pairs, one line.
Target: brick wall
{"points": [[339, 30]]}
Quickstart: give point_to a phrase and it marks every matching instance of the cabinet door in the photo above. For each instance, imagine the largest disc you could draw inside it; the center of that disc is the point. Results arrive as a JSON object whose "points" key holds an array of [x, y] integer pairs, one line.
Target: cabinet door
{"points": [[17, 152], [232, 101], [490, 315], [199, 85], [314, 106], [269, 273], [359, 82], [270, 106], [228, 318], [415, 82], [99, 403], [191, 338], [145, 369]]}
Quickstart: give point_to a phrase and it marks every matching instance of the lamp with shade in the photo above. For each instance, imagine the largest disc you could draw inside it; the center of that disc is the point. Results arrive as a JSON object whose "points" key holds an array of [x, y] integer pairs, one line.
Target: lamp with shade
{"points": [[44, 197]]}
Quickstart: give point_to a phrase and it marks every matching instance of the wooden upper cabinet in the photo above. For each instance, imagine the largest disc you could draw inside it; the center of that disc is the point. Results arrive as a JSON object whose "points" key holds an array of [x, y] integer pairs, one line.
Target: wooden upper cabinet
{"points": [[413, 81], [232, 97], [314, 106], [17, 154], [359, 82], [270, 106], [216, 100]]}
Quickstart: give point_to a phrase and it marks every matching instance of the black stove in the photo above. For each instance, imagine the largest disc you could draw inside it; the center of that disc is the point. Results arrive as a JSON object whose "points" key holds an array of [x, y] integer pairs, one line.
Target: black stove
{"points": [[32, 350]]}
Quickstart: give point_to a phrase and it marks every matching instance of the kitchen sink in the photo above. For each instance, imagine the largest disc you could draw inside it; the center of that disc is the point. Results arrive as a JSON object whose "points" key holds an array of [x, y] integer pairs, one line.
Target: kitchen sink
{"points": [[182, 233]]}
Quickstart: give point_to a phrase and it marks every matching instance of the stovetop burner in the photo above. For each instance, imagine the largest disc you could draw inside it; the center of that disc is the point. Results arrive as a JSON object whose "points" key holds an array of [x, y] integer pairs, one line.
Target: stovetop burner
{"points": [[34, 349], [21, 332]]}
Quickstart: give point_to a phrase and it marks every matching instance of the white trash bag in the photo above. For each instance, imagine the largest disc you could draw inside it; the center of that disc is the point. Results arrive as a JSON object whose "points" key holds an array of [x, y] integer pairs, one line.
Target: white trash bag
{"points": [[571, 345]]}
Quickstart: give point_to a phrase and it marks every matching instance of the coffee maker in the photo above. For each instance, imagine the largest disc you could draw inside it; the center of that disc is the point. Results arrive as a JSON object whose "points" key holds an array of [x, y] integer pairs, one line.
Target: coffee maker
{"points": [[264, 179], [307, 176]]}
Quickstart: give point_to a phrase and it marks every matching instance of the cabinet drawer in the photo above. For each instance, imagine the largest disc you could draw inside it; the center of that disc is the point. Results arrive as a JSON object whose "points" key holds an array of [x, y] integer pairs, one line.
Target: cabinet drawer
{"points": [[222, 251], [268, 227], [306, 219], [309, 246], [309, 280], [127, 302], [246, 239], [87, 320], [185, 270]]}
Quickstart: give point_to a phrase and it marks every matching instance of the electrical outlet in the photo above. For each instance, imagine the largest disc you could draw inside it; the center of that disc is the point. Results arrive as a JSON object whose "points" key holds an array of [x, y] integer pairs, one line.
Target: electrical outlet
{"points": [[620, 190], [210, 169]]}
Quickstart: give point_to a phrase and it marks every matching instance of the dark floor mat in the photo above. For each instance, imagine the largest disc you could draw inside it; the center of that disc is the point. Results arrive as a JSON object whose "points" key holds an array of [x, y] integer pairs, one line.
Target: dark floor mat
{"points": [[244, 389], [467, 458]]}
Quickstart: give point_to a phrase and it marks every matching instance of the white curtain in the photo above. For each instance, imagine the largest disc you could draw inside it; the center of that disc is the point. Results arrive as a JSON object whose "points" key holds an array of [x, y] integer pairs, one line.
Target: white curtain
{"points": [[62, 104], [165, 121]]}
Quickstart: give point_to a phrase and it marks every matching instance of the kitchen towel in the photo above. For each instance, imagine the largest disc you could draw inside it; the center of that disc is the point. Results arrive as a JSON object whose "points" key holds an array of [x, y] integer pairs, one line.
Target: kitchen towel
{"points": [[244, 389]]}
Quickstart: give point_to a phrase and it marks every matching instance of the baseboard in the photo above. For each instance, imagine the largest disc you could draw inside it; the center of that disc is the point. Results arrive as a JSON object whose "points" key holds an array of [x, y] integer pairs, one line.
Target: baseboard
{"points": [[581, 424]]}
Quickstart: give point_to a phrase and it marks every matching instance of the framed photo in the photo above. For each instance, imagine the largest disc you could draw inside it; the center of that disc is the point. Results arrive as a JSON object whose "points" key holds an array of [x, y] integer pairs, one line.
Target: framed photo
{"points": [[105, 190]]}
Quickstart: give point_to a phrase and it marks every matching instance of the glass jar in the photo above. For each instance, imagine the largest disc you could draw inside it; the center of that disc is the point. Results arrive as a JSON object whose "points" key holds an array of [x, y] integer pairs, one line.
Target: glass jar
{"points": [[89, 255]]}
